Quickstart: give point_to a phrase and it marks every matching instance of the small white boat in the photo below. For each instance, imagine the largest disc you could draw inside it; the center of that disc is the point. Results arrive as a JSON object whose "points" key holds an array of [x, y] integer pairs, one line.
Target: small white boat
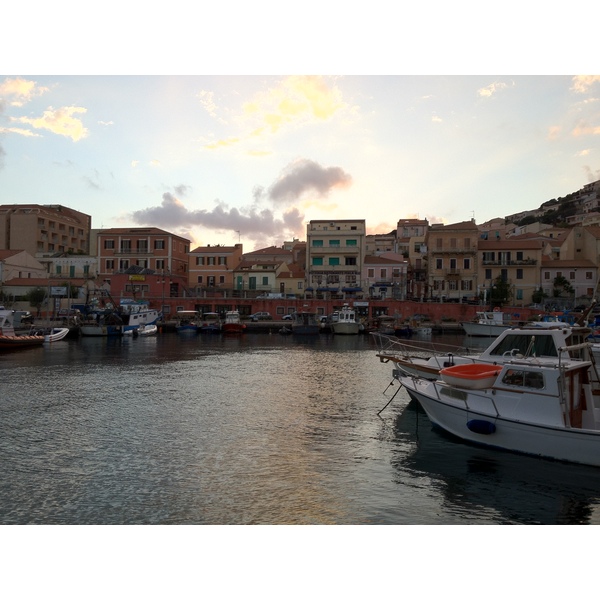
{"points": [[233, 322], [546, 407], [144, 330], [55, 334]]}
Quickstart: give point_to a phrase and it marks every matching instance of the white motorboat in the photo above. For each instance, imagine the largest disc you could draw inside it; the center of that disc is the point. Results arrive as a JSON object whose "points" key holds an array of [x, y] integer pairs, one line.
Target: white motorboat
{"points": [[547, 343], [488, 324], [346, 323], [546, 406], [145, 330]]}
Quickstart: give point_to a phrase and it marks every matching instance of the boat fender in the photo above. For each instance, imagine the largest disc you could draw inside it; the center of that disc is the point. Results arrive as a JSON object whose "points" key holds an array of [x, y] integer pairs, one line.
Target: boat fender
{"points": [[481, 426], [496, 309]]}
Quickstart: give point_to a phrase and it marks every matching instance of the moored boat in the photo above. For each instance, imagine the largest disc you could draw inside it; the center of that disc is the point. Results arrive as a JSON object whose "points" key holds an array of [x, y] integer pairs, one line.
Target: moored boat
{"points": [[487, 324], [233, 322], [346, 323], [9, 340], [305, 323], [187, 321], [211, 323]]}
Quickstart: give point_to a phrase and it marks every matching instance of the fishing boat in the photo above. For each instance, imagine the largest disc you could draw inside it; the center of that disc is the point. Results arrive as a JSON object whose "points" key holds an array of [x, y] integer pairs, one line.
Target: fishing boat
{"points": [[135, 313], [488, 324], [211, 323], [233, 322], [102, 323], [305, 323], [531, 405], [346, 323], [9, 340], [187, 321]]}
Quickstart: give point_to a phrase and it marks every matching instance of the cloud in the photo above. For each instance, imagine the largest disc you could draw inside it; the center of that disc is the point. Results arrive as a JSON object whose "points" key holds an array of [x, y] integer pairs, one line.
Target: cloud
{"points": [[60, 121], [305, 176], [582, 83], [585, 129], [20, 91], [490, 90], [294, 101], [253, 222]]}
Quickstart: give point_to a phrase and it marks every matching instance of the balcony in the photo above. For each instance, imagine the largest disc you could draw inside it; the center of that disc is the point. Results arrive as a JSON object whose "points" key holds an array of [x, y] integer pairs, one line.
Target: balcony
{"points": [[528, 262]]}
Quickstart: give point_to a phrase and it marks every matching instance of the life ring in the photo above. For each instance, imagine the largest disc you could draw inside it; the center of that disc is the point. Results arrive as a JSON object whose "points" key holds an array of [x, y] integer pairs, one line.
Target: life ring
{"points": [[496, 309]]}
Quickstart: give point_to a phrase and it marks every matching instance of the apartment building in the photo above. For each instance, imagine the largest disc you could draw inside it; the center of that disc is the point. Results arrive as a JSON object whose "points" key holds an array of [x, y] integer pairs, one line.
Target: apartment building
{"points": [[118, 249], [44, 230], [515, 261], [335, 254], [214, 266], [385, 277], [452, 261]]}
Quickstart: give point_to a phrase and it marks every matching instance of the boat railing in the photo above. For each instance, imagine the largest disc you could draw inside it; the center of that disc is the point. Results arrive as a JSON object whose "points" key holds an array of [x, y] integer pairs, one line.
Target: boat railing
{"points": [[391, 345], [441, 387]]}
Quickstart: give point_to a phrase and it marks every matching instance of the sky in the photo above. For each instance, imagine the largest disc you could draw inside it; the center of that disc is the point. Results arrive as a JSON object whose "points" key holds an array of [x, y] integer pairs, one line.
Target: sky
{"points": [[206, 135]]}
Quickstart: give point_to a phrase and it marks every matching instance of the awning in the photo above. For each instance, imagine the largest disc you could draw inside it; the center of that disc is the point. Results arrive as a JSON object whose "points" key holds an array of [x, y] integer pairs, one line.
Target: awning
{"points": [[327, 289], [352, 289]]}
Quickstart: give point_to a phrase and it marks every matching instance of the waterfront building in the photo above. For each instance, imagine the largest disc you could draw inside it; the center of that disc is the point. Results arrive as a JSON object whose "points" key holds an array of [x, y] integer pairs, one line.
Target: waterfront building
{"points": [[44, 230], [452, 261], [335, 254], [144, 247], [213, 266]]}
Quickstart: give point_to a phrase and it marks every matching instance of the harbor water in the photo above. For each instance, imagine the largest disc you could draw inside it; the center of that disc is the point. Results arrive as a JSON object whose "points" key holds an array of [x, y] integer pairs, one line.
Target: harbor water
{"points": [[257, 429]]}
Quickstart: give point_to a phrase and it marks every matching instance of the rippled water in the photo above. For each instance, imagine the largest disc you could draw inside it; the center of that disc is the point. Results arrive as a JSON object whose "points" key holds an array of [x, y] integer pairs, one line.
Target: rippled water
{"points": [[260, 429]]}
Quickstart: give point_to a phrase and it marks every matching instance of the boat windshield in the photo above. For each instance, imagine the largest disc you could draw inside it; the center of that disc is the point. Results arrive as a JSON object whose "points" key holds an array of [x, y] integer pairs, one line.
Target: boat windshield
{"points": [[527, 345]]}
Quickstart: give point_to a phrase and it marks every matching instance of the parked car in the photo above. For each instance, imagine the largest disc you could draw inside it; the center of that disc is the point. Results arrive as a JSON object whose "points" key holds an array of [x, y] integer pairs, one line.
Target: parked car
{"points": [[286, 318], [261, 316]]}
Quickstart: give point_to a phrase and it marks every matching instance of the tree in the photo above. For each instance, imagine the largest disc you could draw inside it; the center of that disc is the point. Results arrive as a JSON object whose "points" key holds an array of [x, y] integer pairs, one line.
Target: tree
{"points": [[36, 298], [538, 296], [561, 286], [501, 292]]}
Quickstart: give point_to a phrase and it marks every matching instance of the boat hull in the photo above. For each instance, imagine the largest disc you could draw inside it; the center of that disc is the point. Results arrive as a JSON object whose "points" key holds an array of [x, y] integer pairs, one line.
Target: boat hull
{"points": [[571, 445], [101, 330], [10, 342], [345, 328]]}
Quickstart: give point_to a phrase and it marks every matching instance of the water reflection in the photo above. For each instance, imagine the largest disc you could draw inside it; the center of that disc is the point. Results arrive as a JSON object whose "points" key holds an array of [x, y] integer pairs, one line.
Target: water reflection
{"points": [[477, 482]]}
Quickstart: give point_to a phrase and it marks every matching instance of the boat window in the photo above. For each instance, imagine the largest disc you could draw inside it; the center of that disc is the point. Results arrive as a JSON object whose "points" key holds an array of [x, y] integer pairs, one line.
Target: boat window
{"points": [[522, 378], [454, 393], [538, 345]]}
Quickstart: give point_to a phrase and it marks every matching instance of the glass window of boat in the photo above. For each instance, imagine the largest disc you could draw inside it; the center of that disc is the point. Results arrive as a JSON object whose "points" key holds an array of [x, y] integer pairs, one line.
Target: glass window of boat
{"points": [[526, 345], [524, 378]]}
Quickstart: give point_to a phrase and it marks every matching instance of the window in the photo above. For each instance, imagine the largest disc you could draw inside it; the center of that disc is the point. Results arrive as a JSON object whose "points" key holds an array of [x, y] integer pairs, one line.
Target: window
{"points": [[265, 281], [334, 261], [466, 263], [351, 242], [335, 243], [489, 256], [199, 260], [519, 256], [252, 283], [317, 243], [488, 274], [519, 273], [58, 269], [439, 263], [221, 279], [350, 261], [160, 264], [453, 264], [200, 279], [438, 243], [371, 273], [572, 275], [142, 245], [222, 260], [383, 273], [467, 243], [546, 275], [110, 265], [123, 264], [452, 242], [317, 261], [86, 269], [159, 244], [109, 244], [519, 294], [588, 274]]}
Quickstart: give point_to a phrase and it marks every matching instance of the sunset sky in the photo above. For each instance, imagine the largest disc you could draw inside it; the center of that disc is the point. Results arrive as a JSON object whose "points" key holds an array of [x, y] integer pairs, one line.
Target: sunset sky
{"points": [[253, 158]]}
